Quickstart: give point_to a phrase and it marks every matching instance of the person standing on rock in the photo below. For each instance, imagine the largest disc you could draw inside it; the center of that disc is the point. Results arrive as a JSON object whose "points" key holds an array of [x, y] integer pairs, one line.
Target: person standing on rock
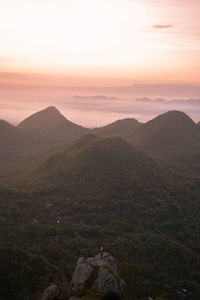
{"points": [[101, 252]]}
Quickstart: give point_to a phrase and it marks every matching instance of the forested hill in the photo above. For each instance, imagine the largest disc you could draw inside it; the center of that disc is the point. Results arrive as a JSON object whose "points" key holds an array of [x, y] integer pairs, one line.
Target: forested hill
{"points": [[50, 126], [67, 201], [41, 130], [122, 128], [173, 127], [94, 162]]}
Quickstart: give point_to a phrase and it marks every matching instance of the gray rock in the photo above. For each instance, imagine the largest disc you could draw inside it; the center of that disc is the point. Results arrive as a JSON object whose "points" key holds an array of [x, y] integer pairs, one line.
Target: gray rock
{"points": [[82, 272], [99, 273], [74, 298], [52, 290], [106, 281]]}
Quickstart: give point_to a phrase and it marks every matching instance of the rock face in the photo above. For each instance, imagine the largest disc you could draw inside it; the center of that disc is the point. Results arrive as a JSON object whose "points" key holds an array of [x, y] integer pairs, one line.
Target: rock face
{"points": [[100, 273], [52, 290]]}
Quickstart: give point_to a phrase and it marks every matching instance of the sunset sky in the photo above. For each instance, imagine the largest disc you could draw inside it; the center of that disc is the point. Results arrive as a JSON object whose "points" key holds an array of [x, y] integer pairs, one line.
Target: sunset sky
{"points": [[100, 37], [99, 42]]}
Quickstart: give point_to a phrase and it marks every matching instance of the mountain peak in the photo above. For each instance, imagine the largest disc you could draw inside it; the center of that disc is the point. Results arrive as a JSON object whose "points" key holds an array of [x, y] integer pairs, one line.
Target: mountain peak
{"points": [[51, 109], [176, 113], [50, 127], [171, 128], [174, 118], [38, 119]]}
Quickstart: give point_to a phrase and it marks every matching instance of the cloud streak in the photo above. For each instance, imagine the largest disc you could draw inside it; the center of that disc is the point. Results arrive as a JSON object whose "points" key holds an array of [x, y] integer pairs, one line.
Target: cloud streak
{"points": [[164, 26], [17, 75]]}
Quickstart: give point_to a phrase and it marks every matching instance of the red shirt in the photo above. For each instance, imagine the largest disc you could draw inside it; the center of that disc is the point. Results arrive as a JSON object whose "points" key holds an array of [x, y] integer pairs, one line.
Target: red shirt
{"points": [[101, 251]]}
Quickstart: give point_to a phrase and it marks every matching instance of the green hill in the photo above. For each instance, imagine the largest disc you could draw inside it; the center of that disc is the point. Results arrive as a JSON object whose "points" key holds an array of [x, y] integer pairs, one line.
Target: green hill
{"points": [[121, 128], [172, 137], [49, 127], [93, 162], [173, 128], [43, 130]]}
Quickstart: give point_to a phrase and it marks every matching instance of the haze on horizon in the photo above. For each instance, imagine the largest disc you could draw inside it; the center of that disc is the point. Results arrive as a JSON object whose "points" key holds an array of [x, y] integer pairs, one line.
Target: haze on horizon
{"points": [[51, 51]]}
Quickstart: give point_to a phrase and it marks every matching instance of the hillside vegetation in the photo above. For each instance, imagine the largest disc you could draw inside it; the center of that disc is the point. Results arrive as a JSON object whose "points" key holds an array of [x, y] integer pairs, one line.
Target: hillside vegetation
{"points": [[137, 197]]}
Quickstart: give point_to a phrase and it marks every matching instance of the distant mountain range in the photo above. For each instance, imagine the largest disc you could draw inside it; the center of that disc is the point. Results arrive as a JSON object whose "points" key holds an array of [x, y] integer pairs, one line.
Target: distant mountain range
{"points": [[153, 90], [49, 128], [99, 97], [170, 102], [138, 90]]}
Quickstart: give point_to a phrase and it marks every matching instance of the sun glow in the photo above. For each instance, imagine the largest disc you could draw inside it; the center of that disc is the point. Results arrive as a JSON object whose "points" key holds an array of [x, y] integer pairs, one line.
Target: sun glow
{"points": [[63, 33]]}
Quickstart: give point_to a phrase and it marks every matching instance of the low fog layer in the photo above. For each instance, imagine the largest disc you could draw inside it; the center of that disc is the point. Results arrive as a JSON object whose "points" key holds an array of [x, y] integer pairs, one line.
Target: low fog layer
{"points": [[91, 109]]}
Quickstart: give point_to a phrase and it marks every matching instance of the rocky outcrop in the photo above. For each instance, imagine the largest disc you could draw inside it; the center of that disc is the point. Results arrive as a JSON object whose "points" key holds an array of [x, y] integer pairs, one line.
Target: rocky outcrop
{"points": [[102, 274], [50, 292]]}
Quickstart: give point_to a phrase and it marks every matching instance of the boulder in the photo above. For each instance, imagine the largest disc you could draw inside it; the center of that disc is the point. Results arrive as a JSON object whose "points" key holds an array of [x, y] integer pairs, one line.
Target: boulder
{"points": [[83, 271], [102, 274], [52, 290]]}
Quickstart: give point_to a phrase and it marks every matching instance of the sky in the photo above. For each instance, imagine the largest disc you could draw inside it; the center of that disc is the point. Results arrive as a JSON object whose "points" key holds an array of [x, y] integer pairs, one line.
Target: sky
{"points": [[102, 43]]}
